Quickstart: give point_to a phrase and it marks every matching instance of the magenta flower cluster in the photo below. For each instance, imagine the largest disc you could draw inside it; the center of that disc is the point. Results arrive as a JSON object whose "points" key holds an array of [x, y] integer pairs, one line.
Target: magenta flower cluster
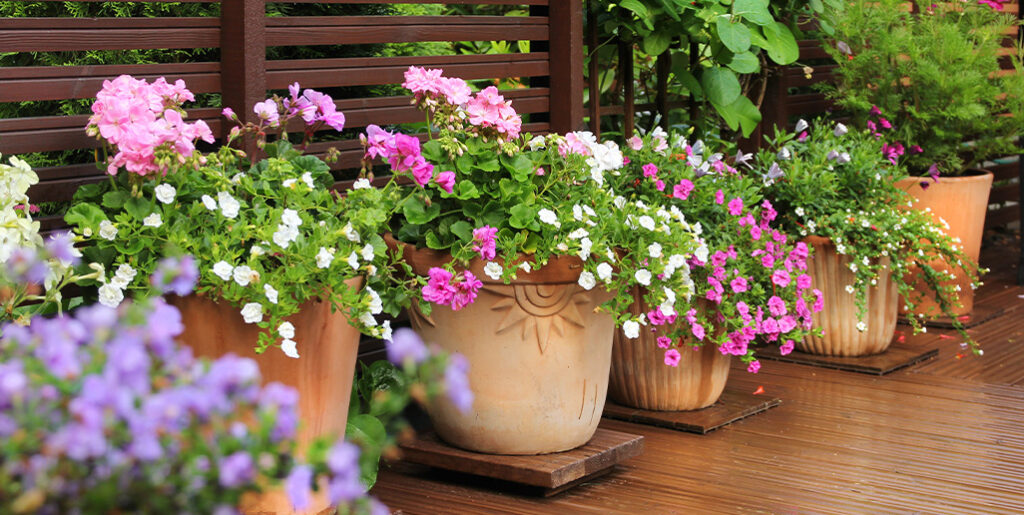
{"points": [[455, 291], [139, 120], [402, 152], [312, 106], [487, 111]]}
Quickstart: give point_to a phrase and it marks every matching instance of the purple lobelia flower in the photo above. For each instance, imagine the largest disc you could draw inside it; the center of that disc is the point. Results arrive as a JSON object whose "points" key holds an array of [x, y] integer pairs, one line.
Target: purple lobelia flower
{"points": [[61, 246], [176, 275], [297, 486], [343, 462], [406, 345], [236, 469], [456, 383]]}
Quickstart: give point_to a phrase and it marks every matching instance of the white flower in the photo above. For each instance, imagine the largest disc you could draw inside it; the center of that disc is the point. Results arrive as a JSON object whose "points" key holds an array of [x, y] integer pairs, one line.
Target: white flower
{"points": [[376, 304], [525, 266], [252, 313], [110, 295], [271, 293], [537, 143], [353, 261], [361, 184], [291, 217], [861, 326], [654, 250], [308, 179], [799, 211], [701, 253], [579, 233], [841, 248], [107, 230], [165, 193], [223, 270], [619, 202], [126, 271], [631, 328], [589, 211], [853, 267], [209, 203], [587, 280], [585, 247], [153, 220], [604, 271], [849, 289], [257, 251], [493, 270], [229, 206], [286, 330], [324, 258], [839, 130], [285, 234], [577, 213], [643, 277], [843, 158], [367, 252], [785, 154], [647, 222], [245, 275], [350, 233], [549, 217], [801, 126], [288, 347], [288, 183], [385, 330], [367, 319], [237, 178]]}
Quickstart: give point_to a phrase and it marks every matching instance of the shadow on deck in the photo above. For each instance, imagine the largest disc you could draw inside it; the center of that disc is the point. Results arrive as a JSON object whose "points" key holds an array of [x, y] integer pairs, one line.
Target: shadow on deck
{"points": [[946, 435]]}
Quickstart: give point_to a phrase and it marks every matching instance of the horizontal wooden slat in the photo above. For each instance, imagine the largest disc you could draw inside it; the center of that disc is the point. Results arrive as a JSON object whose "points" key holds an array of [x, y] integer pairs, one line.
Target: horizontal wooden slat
{"points": [[19, 84], [1002, 216], [999, 195], [70, 34], [1004, 171], [352, 30], [377, 70]]}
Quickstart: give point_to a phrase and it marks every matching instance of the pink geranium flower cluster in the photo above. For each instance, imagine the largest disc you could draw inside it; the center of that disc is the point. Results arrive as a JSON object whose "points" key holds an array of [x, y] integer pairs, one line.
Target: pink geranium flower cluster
{"points": [[450, 100], [488, 109], [447, 289], [485, 242], [402, 152], [312, 106], [143, 122], [427, 85]]}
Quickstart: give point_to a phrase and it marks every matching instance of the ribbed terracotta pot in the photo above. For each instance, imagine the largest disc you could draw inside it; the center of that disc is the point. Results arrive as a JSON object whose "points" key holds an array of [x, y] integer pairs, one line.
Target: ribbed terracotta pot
{"points": [[538, 358], [641, 379], [322, 375], [831, 274], [962, 202]]}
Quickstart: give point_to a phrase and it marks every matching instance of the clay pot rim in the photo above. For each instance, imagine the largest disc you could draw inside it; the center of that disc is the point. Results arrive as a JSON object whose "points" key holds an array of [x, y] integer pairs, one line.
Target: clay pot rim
{"points": [[558, 270], [972, 175]]}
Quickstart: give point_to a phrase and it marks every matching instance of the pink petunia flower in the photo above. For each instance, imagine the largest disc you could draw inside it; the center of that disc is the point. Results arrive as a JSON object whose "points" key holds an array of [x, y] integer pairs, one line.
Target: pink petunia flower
{"points": [[786, 348], [683, 189], [781, 278], [736, 206], [664, 342], [650, 170], [672, 357], [754, 366]]}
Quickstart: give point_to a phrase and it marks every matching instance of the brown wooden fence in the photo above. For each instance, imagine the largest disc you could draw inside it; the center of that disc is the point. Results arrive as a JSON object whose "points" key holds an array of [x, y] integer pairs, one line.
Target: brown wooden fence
{"points": [[552, 69]]}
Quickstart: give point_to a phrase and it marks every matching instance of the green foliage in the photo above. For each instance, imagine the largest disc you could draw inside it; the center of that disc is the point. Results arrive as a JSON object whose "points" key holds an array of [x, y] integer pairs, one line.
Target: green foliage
{"points": [[838, 185], [935, 74]]}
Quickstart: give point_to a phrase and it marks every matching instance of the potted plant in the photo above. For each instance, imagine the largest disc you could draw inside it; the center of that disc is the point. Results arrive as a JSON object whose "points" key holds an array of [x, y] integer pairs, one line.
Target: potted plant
{"points": [[932, 81], [836, 188], [284, 261], [750, 280], [524, 259]]}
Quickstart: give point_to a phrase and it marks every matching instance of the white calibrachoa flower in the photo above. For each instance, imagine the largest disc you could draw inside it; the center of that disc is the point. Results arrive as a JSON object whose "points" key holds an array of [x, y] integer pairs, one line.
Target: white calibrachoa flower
{"points": [[367, 252], [361, 184], [631, 328], [244, 275], [229, 206], [493, 270], [165, 193], [110, 295], [288, 183], [577, 213], [153, 220], [285, 234], [289, 348], [271, 293], [549, 217], [376, 304], [308, 179], [107, 230], [654, 250], [643, 277], [799, 211], [286, 330], [350, 233], [585, 247], [587, 281], [324, 258], [861, 326], [223, 270], [604, 272], [353, 260], [257, 251], [647, 222], [385, 330], [126, 271], [850, 289], [579, 233], [209, 203], [367, 319], [291, 217], [252, 313]]}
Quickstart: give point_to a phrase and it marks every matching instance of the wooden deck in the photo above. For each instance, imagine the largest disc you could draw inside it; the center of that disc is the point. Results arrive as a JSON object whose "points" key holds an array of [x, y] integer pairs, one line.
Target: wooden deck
{"points": [[943, 436]]}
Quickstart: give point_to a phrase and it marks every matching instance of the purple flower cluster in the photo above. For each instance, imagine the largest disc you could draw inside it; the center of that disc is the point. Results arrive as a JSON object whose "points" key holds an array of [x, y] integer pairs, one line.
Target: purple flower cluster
{"points": [[406, 348]]}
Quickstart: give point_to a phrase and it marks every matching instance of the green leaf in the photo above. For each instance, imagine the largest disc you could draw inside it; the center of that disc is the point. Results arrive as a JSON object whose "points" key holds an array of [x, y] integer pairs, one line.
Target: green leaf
{"points": [[114, 199], [744, 62], [520, 166], [782, 47], [462, 230], [416, 212], [637, 7], [371, 436], [85, 215], [138, 208], [734, 35], [432, 151], [657, 42], [434, 242], [741, 113], [720, 85], [756, 11], [490, 165], [467, 191], [522, 216]]}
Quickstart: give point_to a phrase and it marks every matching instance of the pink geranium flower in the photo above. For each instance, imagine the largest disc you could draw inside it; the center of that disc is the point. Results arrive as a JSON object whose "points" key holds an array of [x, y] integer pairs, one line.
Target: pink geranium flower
{"points": [[485, 242], [446, 180]]}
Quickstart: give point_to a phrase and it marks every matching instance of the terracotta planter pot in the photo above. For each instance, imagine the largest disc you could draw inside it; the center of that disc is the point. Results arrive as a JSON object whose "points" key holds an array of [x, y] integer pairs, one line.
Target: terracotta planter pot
{"points": [[641, 379], [539, 357], [962, 202], [322, 375], [831, 274]]}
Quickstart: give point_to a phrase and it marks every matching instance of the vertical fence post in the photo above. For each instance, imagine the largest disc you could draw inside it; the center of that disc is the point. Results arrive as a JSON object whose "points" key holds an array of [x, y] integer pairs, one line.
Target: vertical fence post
{"points": [[565, 33], [1020, 183], [243, 55], [626, 74], [594, 73]]}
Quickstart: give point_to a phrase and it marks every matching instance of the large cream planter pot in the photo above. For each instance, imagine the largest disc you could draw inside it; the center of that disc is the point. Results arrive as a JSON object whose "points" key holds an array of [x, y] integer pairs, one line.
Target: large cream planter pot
{"points": [[538, 358], [328, 346], [962, 202], [641, 379], [831, 274]]}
